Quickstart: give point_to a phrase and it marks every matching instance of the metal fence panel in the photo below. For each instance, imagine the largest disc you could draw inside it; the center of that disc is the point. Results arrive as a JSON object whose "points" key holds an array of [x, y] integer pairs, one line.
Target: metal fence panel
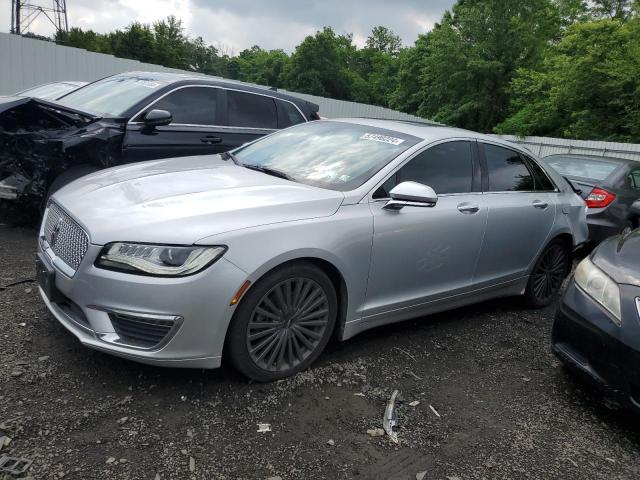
{"points": [[543, 146], [27, 62]]}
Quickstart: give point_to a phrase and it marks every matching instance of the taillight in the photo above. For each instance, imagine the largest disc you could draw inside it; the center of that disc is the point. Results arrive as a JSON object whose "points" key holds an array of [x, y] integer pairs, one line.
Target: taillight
{"points": [[599, 198]]}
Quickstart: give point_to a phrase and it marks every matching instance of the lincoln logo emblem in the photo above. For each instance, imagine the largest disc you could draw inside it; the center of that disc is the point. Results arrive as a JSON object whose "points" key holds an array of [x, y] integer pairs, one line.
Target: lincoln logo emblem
{"points": [[55, 232]]}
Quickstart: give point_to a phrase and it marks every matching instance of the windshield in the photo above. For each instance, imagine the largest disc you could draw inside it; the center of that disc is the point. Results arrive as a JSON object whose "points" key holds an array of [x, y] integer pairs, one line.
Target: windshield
{"points": [[50, 91], [581, 167], [112, 96], [335, 155]]}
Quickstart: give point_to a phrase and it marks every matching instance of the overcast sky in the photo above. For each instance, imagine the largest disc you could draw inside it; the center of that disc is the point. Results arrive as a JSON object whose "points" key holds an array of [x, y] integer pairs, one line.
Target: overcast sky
{"points": [[233, 25]]}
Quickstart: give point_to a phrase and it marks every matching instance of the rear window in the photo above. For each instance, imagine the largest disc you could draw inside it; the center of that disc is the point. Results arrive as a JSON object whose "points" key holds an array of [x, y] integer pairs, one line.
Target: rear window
{"points": [[507, 172], [251, 111], [581, 167], [288, 114]]}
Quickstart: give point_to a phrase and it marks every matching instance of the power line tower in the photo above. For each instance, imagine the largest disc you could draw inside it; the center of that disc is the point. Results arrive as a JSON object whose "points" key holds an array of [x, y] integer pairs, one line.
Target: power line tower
{"points": [[24, 13]]}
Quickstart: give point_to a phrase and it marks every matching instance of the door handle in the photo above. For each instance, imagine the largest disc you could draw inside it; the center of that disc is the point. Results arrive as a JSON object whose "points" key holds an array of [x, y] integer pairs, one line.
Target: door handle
{"points": [[540, 204], [468, 208], [210, 139]]}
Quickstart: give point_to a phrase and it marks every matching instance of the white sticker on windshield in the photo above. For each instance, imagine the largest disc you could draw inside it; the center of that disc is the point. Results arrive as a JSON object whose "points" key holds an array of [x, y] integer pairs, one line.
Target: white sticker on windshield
{"points": [[382, 138]]}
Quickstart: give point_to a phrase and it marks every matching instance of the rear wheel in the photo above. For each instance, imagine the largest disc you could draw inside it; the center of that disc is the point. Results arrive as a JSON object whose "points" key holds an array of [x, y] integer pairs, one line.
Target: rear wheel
{"points": [[547, 276], [283, 323]]}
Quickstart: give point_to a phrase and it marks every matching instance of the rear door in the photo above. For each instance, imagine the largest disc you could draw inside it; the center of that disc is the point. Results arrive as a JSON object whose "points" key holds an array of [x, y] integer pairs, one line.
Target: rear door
{"points": [[194, 130], [422, 254], [519, 220]]}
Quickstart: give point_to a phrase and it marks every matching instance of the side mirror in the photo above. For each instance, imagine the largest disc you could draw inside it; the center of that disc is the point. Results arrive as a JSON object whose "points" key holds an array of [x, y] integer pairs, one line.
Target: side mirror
{"points": [[158, 118], [411, 194]]}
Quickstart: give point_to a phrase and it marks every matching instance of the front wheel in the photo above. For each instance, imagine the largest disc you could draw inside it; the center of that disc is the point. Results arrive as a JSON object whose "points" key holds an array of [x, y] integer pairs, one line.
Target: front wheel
{"points": [[547, 276], [283, 323]]}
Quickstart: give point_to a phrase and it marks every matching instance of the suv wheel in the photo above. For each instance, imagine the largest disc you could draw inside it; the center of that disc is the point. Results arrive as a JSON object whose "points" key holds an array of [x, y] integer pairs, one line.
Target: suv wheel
{"points": [[547, 276], [283, 323]]}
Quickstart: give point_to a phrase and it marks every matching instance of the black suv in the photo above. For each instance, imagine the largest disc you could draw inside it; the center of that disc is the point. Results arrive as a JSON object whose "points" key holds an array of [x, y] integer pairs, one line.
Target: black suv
{"points": [[130, 117]]}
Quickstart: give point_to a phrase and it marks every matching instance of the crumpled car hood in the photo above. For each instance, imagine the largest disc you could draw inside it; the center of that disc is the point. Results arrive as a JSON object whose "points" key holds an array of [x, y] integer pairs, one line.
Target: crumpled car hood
{"points": [[183, 200], [619, 257]]}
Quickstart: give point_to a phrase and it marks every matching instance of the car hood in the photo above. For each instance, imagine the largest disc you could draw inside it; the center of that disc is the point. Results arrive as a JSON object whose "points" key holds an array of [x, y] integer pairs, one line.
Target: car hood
{"points": [[183, 200], [618, 257]]}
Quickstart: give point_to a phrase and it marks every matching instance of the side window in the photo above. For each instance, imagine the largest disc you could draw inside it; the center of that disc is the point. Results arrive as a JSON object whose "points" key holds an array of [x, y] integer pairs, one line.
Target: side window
{"points": [[634, 179], [447, 168], [191, 105], [252, 111], [288, 114], [507, 172], [541, 180]]}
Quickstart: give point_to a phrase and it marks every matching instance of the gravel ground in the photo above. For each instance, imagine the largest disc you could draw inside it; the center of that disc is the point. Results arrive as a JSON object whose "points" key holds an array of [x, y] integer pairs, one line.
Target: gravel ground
{"points": [[507, 409]]}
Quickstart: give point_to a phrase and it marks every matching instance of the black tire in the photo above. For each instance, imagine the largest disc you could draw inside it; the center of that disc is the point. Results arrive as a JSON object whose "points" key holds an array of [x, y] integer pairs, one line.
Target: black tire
{"points": [[67, 177], [280, 325], [548, 274]]}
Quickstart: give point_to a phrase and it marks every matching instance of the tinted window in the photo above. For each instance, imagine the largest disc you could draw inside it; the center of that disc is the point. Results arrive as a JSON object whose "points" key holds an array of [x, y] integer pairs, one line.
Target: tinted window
{"points": [[507, 171], [541, 180], [583, 167], [634, 179], [249, 110], [288, 114], [192, 105], [335, 155]]}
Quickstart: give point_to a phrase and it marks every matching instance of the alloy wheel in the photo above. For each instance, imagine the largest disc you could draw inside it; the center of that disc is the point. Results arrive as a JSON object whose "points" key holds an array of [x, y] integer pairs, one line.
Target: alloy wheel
{"points": [[549, 273], [287, 324]]}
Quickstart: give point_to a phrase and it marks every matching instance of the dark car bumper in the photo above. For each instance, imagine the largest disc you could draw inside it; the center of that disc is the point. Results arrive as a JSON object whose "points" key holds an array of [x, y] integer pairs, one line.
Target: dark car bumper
{"points": [[586, 340]]}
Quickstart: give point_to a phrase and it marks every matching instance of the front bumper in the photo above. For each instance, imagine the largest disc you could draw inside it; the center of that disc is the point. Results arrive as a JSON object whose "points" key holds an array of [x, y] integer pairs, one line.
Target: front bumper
{"points": [[95, 305], [585, 338]]}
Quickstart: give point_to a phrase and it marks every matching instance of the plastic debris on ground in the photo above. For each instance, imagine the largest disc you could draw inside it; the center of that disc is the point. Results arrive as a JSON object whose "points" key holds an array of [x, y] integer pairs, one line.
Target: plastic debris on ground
{"points": [[390, 419], [264, 427], [14, 465]]}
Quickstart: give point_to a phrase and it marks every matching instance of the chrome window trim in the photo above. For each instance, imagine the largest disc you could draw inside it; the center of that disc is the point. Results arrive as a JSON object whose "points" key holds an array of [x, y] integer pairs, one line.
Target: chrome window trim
{"points": [[131, 122], [638, 305]]}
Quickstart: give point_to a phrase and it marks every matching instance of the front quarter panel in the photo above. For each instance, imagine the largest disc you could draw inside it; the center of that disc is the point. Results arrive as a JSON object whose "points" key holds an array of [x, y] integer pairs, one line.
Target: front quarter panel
{"points": [[343, 240]]}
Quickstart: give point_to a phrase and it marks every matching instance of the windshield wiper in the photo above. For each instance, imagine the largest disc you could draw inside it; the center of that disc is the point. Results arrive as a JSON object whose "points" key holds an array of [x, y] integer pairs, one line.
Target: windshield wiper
{"points": [[230, 156], [267, 170]]}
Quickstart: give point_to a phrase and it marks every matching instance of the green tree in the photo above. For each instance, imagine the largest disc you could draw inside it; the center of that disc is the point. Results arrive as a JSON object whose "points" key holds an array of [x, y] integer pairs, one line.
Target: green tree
{"points": [[264, 67], [587, 88], [321, 65], [384, 41], [467, 62]]}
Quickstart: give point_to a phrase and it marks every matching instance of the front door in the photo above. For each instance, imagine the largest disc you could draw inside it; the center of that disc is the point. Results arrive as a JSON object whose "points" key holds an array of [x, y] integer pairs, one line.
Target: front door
{"points": [[193, 131], [423, 254]]}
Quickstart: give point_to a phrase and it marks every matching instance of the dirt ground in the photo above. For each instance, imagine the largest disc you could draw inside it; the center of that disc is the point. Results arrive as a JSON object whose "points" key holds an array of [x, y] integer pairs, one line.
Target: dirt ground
{"points": [[507, 409]]}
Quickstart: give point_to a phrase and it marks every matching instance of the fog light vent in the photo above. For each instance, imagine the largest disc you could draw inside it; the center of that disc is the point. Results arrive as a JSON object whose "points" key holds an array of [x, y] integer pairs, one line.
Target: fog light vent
{"points": [[143, 331]]}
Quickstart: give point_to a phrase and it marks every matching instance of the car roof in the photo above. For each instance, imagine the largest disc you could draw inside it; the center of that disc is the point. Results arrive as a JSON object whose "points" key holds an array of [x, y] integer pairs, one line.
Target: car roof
{"points": [[430, 132], [600, 158], [202, 79]]}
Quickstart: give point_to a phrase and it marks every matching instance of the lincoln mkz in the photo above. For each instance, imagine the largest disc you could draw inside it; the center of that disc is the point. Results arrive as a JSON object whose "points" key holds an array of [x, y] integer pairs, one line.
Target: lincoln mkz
{"points": [[261, 255]]}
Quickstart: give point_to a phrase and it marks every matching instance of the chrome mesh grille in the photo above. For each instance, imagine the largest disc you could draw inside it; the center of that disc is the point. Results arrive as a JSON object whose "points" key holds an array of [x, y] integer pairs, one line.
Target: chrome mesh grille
{"points": [[65, 237]]}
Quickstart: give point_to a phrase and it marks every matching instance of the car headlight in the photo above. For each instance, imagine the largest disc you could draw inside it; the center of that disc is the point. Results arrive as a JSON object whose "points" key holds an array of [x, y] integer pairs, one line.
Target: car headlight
{"points": [[160, 260], [599, 286]]}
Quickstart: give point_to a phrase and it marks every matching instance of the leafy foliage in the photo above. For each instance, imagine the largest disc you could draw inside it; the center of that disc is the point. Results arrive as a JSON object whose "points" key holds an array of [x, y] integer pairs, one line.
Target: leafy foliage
{"points": [[546, 67]]}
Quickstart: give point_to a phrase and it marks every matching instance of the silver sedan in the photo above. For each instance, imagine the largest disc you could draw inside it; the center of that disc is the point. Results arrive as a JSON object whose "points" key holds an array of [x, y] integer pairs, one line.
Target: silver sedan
{"points": [[261, 255]]}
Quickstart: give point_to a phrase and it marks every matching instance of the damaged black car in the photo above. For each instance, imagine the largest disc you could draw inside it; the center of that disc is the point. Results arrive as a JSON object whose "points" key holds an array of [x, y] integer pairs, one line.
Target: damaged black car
{"points": [[126, 118]]}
